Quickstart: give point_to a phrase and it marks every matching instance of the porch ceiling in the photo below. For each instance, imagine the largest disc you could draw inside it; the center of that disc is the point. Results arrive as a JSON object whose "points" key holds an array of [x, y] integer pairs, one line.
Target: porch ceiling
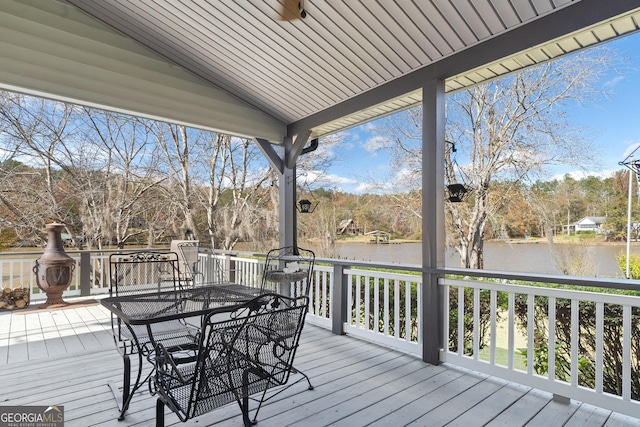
{"points": [[346, 63]]}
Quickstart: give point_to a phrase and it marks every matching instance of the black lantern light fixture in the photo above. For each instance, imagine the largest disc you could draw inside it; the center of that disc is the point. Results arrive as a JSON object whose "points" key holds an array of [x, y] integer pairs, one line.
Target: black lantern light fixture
{"points": [[306, 206], [456, 192]]}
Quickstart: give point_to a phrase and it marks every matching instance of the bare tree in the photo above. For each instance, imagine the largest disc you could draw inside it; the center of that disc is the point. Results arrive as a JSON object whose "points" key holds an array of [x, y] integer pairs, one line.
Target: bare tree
{"points": [[34, 132], [235, 198], [216, 167], [112, 177], [127, 170], [244, 187], [508, 129], [182, 148]]}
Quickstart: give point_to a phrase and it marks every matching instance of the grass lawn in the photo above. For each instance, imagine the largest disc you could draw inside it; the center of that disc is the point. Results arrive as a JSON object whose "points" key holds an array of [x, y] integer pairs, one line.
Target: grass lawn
{"points": [[502, 358], [502, 344]]}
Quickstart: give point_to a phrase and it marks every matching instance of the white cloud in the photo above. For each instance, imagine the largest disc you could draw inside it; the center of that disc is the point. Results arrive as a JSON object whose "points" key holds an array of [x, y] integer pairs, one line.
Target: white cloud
{"points": [[402, 181], [320, 179], [378, 188], [631, 148], [578, 175], [372, 145], [613, 82], [347, 145], [367, 187], [369, 127]]}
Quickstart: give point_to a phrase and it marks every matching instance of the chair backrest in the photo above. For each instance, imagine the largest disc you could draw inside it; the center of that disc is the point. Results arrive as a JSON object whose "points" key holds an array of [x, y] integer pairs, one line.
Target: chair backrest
{"points": [[142, 272], [187, 251], [289, 257], [215, 270], [249, 352]]}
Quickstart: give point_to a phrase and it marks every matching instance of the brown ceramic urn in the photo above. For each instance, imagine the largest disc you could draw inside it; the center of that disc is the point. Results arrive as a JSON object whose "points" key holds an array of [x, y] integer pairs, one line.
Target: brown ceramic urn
{"points": [[54, 269]]}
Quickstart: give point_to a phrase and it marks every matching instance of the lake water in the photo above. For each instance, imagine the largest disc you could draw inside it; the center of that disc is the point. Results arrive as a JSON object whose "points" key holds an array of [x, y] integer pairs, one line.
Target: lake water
{"points": [[522, 257]]}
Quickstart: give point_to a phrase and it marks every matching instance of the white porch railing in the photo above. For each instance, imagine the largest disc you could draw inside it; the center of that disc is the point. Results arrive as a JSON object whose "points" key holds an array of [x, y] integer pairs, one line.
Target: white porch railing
{"points": [[385, 308], [90, 274], [248, 271], [564, 353], [482, 318]]}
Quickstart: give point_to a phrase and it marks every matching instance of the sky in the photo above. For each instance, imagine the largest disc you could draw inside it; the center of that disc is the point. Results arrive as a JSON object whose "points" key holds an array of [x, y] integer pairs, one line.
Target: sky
{"points": [[614, 125]]}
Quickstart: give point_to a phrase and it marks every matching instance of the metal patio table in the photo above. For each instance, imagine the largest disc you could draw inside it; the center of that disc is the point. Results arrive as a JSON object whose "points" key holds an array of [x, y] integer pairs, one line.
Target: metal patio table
{"points": [[150, 310]]}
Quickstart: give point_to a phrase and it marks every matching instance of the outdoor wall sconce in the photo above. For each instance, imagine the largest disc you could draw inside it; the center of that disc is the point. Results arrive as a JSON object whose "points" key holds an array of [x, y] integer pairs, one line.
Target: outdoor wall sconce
{"points": [[305, 206], [457, 192]]}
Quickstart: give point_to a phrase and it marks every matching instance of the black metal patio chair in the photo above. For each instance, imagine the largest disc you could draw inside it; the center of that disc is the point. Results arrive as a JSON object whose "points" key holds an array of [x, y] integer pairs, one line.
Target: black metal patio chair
{"points": [[188, 261], [247, 353], [290, 267], [137, 273]]}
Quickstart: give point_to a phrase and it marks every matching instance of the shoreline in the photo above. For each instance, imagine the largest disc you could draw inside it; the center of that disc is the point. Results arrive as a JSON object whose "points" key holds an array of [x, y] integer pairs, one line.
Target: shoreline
{"points": [[586, 242], [520, 241]]}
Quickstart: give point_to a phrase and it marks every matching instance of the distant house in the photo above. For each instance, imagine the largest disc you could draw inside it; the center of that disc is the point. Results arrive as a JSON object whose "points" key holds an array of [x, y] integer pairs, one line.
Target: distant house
{"points": [[348, 227], [590, 223]]}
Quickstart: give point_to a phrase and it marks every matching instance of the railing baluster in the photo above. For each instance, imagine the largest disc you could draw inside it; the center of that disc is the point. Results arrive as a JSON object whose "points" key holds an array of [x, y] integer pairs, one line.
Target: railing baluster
{"points": [[367, 307], [476, 323], [461, 325], [314, 288], [511, 329], [599, 345], [575, 339], [358, 299], [445, 320], [350, 301], [531, 333], [386, 306], [551, 351], [325, 308], [407, 309], [420, 313], [626, 352], [396, 307], [376, 305], [493, 324]]}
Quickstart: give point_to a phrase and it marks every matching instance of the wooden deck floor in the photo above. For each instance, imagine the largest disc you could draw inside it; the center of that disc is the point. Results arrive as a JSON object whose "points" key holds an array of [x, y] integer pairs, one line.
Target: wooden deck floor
{"points": [[66, 357]]}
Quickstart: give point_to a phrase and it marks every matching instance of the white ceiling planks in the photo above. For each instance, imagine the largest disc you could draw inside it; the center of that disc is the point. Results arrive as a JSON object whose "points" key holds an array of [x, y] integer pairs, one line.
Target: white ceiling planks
{"points": [[295, 71], [294, 68]]}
